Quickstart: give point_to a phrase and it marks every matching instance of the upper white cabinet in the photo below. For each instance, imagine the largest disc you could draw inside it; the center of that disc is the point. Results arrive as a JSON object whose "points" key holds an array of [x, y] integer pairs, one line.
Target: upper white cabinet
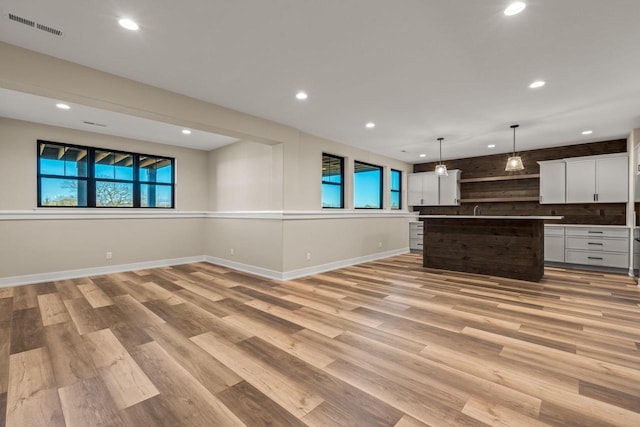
{"points": [[428, 189], [422, 189], [552, 181], [581, 181], [598, 179], [450, 189]]}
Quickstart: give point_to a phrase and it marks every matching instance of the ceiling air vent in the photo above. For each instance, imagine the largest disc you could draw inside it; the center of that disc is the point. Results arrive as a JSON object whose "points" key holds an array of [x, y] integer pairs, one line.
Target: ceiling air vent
{"points": [[22, 20], [48, 29], [94, 124], [34, 24]]}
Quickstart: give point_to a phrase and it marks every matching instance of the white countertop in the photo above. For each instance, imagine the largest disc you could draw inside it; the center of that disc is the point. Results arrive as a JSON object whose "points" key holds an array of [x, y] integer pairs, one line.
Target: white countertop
{"points": [[549, 218], [587, 225]]}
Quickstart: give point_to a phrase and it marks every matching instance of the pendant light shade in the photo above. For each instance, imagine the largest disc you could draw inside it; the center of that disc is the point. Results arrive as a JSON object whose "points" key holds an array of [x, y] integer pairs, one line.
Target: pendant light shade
{"points": [[514, 163], [441, 168]]}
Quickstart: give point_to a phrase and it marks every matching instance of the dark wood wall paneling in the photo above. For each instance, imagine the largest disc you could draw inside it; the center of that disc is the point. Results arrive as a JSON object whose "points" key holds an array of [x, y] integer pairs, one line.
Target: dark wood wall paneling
{"points": [[492, 166]]}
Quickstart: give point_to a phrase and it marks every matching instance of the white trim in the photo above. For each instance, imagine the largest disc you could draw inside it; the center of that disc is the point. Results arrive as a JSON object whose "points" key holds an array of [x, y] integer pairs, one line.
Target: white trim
{"points": [[247, 268], [294, 274], [95, 213], [94, 271], [98, 214]]}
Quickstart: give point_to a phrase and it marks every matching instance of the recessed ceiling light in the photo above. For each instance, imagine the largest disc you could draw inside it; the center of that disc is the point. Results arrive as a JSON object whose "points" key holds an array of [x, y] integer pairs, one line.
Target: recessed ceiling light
{"points": [[129, 24], [515, 8], [370, 125], [62, 106], [302, 95], [186, 131], [423, 155], [587, 132], [491, 146], [537, 84]]}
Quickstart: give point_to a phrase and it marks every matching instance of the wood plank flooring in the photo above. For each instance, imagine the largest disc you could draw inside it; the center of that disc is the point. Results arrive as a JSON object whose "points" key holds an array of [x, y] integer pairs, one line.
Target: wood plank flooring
{"points": [[385, 343]]}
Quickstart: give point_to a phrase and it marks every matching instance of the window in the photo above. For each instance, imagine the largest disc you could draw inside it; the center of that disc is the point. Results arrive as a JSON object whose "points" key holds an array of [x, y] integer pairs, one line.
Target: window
{"points": [[332, 181], [396, 189], [70, 175], [367, 186]]}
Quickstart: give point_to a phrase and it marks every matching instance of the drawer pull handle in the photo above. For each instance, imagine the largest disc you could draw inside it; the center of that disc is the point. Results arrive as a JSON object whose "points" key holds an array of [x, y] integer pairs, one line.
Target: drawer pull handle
{"points": [[594, 232], [595, 257], [597, 244]]}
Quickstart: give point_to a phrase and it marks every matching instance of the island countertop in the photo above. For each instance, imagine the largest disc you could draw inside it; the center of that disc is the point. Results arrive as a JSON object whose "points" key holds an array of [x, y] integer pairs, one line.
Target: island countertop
{"points": [[505, 246], [544, 218]]}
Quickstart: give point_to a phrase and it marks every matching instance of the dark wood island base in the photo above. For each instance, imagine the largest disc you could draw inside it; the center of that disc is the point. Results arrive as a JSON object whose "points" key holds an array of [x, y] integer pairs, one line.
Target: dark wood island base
{"points": [[497, 246]]}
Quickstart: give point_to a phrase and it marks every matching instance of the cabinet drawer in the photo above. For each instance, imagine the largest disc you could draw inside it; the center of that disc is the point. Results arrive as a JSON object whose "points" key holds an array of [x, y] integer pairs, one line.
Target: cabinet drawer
{"points": [[598, 244], [416, 225], [604, 259], [416, 234], [416, 244], [597, 232], [553, 231]]}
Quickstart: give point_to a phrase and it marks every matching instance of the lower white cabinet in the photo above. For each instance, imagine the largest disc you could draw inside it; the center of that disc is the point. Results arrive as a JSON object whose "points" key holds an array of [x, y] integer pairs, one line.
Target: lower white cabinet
{"points": [[416, 235], [554, 244], [596, 246]]}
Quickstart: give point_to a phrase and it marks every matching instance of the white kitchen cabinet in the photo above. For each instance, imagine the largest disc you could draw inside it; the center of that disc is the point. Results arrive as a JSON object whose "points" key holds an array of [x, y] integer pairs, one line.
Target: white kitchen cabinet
{"points": [[422, 189], [597, 179], [416, 235], [450, 189], [598, 246], [429, 189], [552, 182], [554, 243], [612, 180]]}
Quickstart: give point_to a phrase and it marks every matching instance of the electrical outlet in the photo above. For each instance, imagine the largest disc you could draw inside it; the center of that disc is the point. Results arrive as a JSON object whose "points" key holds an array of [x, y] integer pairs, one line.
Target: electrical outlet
{"points": [[232, 251], [308, 255], [109, 255], [379, 244]]}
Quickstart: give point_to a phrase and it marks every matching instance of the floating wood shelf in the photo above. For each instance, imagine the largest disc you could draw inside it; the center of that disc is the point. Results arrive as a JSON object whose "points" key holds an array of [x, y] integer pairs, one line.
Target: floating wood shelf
{"points": [[500, 199], [500, 178]]}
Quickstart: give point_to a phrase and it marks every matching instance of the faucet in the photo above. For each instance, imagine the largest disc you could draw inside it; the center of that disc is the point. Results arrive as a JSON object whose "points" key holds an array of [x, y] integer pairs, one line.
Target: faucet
{"points": [[476, 210]]}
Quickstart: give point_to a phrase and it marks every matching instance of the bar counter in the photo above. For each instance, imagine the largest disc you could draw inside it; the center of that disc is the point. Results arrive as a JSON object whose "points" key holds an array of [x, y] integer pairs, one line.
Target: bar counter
{"points": [[505, 246]]}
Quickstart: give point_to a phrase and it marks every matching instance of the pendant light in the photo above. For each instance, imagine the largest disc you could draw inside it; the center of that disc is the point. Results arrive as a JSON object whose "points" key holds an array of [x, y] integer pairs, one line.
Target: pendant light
{"points": [[514, 163], [441, 169]]}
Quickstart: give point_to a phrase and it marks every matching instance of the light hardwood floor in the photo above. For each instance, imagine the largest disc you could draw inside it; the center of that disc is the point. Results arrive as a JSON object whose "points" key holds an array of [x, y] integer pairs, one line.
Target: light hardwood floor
{"points": [[380, 344]]}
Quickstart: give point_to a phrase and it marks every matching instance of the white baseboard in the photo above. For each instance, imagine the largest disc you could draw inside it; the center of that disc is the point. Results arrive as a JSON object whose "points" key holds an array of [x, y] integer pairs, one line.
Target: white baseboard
{"points": [[94, 271], [302, 272], [251, 269], [246, 268], [294, 274]]}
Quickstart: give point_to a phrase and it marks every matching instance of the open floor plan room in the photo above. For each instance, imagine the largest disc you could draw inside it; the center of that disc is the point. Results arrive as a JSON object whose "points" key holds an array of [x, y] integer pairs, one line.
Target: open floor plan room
{"points": [[385, 343]]}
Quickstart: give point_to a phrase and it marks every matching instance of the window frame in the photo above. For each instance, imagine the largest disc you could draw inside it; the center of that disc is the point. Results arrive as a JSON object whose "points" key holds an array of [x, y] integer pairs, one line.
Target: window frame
{"points": [[341, 159], [399, 190], [91, 179], [381, 168]]}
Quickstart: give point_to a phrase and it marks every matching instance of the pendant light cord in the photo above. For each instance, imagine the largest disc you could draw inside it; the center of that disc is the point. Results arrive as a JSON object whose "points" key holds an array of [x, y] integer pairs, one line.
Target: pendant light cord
{"points": [[440, 140], [514, 139]]}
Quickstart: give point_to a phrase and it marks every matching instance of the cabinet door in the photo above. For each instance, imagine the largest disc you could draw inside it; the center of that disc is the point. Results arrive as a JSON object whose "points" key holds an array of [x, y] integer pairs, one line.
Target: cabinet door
{"points": [[552, 182], [450, 189], [414, 189], [430, 189], [581, 181], [612, 180], [554, 248]]}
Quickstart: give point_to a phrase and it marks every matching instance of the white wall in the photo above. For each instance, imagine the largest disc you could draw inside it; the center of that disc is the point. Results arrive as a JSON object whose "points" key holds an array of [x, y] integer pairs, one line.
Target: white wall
{"points": [[18, 162], [245, 176], [274, 169], [32, 244]]}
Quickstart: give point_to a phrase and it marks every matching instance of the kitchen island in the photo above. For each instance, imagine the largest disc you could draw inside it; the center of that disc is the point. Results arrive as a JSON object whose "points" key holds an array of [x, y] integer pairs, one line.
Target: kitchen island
{"points": [[505, 246]]}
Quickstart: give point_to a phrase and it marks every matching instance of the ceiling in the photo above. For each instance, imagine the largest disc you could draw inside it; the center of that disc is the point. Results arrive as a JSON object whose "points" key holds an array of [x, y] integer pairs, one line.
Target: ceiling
{"points": [[419, 69], [39, 109]]}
